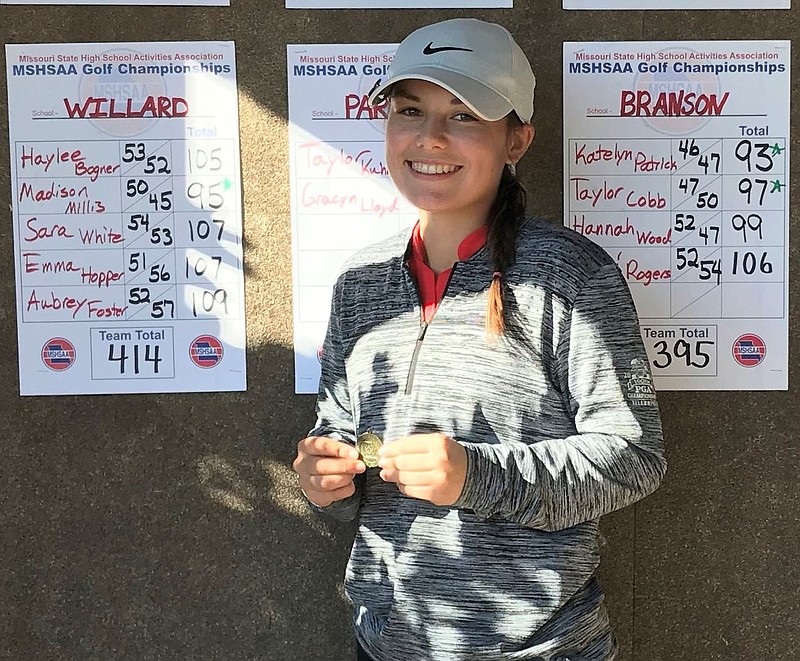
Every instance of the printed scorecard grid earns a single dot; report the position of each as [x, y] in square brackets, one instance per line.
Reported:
[160, 251]
[676, 161]
[676, 4]
[714, 210]
[127, 217]
[715, 218]
[341, 193]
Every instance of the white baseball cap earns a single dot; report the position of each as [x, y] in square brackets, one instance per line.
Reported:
[478, 62]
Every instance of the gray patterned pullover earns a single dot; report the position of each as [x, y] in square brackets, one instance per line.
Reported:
[560, 423]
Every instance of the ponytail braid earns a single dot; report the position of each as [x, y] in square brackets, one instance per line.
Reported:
[505, 218]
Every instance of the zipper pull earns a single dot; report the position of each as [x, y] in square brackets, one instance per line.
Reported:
[417, 346]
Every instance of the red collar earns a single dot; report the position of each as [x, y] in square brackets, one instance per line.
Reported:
[471, 244]
[431, 285]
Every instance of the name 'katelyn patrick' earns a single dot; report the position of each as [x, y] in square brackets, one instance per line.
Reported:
[97, 107]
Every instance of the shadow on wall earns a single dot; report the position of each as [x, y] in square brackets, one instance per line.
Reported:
[166, 527]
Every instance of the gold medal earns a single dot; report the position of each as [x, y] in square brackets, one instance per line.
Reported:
[368, 445]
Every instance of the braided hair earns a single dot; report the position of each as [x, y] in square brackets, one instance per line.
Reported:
[505, 217]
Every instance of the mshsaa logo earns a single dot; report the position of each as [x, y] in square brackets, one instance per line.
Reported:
[206, 351]
[58, 354]
[749, 350]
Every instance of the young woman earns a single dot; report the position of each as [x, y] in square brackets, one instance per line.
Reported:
[497, 360]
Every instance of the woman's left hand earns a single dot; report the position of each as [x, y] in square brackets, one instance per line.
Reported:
[430, 467]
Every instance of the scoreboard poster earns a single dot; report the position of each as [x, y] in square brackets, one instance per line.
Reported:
[127, 217]
[677, 4]
[396, 4]
[342, 198]
[174, 3]
[676, 161]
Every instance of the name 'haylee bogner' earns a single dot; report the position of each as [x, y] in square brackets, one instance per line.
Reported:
[497, 359]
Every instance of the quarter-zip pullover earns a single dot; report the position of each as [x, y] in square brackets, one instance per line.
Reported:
[560, 424]
[431, 285]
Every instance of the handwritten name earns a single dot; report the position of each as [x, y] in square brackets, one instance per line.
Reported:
[96, 107]
[317, 157]
[632, 199]
[103, 278]
[649, 237]
[54, 191]
[74, 157]
[640, 103]
[642, 161]
[645, 276]
[94, 308]
[350, 201]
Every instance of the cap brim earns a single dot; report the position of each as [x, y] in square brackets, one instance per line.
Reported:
[482, 100]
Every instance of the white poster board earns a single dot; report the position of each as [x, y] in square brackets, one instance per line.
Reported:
[396, 4]
[677, 4]
[174, 3]
[342, 197]
[127, 217]
[676, 160]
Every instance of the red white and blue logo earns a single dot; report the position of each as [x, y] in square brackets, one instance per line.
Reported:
[749, 350]
[205, 351]
[58, 354]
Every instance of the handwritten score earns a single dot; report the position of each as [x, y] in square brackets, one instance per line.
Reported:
[342, 197]
[677, 162]
[127, 217]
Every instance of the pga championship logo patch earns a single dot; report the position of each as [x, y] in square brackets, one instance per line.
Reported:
[639, 388]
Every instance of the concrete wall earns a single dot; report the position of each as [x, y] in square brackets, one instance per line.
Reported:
[170, 527]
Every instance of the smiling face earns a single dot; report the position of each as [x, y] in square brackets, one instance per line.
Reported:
[442, 157]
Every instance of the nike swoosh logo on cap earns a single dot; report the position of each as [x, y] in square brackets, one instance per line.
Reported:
[430, 50]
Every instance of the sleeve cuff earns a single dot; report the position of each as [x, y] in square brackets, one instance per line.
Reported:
[473, 493]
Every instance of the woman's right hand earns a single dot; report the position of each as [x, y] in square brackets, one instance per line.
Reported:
[327, 467]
